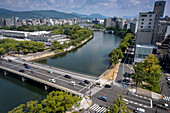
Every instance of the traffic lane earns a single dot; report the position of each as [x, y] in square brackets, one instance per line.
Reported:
[111, 94]
[45, 71]
[132, 107]
[164, 86]
[120, 73]
[47, 77]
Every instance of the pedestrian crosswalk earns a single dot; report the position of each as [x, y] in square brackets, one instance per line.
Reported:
[166, 98]
[97, 108]
[121, 85]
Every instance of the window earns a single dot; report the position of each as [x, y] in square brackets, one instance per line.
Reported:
[142, 23]
[150, 15]
[143, 15]
[149, 23]
[142, 19]
[149, 26]
[141, 26]
[150, 19]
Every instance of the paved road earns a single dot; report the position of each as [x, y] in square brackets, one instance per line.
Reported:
[44, 75]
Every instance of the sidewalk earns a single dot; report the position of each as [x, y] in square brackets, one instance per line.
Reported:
[109, 75]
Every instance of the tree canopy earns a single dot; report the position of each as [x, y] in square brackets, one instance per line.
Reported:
[117, 53]
[8, 45]
[148, 71]
[55, 102]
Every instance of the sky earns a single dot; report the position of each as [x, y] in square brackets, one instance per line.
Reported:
[110, 8]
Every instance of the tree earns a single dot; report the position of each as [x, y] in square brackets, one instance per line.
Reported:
[18, 109]
[119, 106]
[140, 75]
[55, 102]
[153, 69]
[148, 71]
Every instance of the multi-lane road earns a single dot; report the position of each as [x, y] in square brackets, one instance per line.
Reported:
[44, 75]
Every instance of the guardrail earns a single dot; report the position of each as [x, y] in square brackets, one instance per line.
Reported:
[42, 81]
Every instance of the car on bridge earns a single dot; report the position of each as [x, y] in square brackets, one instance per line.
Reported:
[67, 76]
[103, 98]
[86, 81]
[26, 66]
[50, 71]
[72, 83]
[21, 70]
[52, 80]
[82, 83]
[9, 60]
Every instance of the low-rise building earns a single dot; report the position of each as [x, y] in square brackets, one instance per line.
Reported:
[141, 51]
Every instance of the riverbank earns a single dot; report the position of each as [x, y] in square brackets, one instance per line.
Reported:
[45, 54]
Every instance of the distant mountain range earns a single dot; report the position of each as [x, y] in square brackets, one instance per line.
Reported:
[92, 16]
[5, 13]
[127, 17]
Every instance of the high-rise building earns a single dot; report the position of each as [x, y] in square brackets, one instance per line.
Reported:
[7, 22]
[133, 27]
[159, 7]
[107, 22]
[146, 26]
[1, 22]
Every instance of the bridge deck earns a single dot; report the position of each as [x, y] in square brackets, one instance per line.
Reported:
[41, 75]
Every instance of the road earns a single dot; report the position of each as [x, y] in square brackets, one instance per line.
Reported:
[133, 100]
[44, 75]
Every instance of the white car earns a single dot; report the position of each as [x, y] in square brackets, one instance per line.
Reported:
[72, 83]
[141, 110]
[168, 78]
[52, 80]
[50, 71]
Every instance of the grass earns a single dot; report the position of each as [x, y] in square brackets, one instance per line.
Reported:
[155, 89]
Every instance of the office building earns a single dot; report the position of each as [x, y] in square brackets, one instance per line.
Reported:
[159, 8]
[1, 22]
[132, 27]
[107, 22]
[7, 22]
[146, 27]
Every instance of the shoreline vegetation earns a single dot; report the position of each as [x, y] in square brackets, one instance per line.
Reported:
[116, 54]
[77, 35]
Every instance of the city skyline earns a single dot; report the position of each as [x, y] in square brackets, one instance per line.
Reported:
[118, 8]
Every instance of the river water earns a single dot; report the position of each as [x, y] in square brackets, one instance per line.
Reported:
[89, 59]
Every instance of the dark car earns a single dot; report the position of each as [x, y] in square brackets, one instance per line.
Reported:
[168, 83]
[82, 83]
[86, 81]
[162, 106]
[126, 74]
[67, 76]
[25, 64]
[21, 70]
[9, 60]
[107, 86]
[103, 98]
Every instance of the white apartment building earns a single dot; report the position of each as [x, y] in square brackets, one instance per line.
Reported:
[146, 26]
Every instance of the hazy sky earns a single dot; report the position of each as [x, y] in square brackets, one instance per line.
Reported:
[105, 7]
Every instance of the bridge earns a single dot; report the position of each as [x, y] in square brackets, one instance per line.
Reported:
[40, 74]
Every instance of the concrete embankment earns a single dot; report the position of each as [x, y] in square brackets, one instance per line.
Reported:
[42, 55]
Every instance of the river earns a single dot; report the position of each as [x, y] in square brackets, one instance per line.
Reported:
[90, 59]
